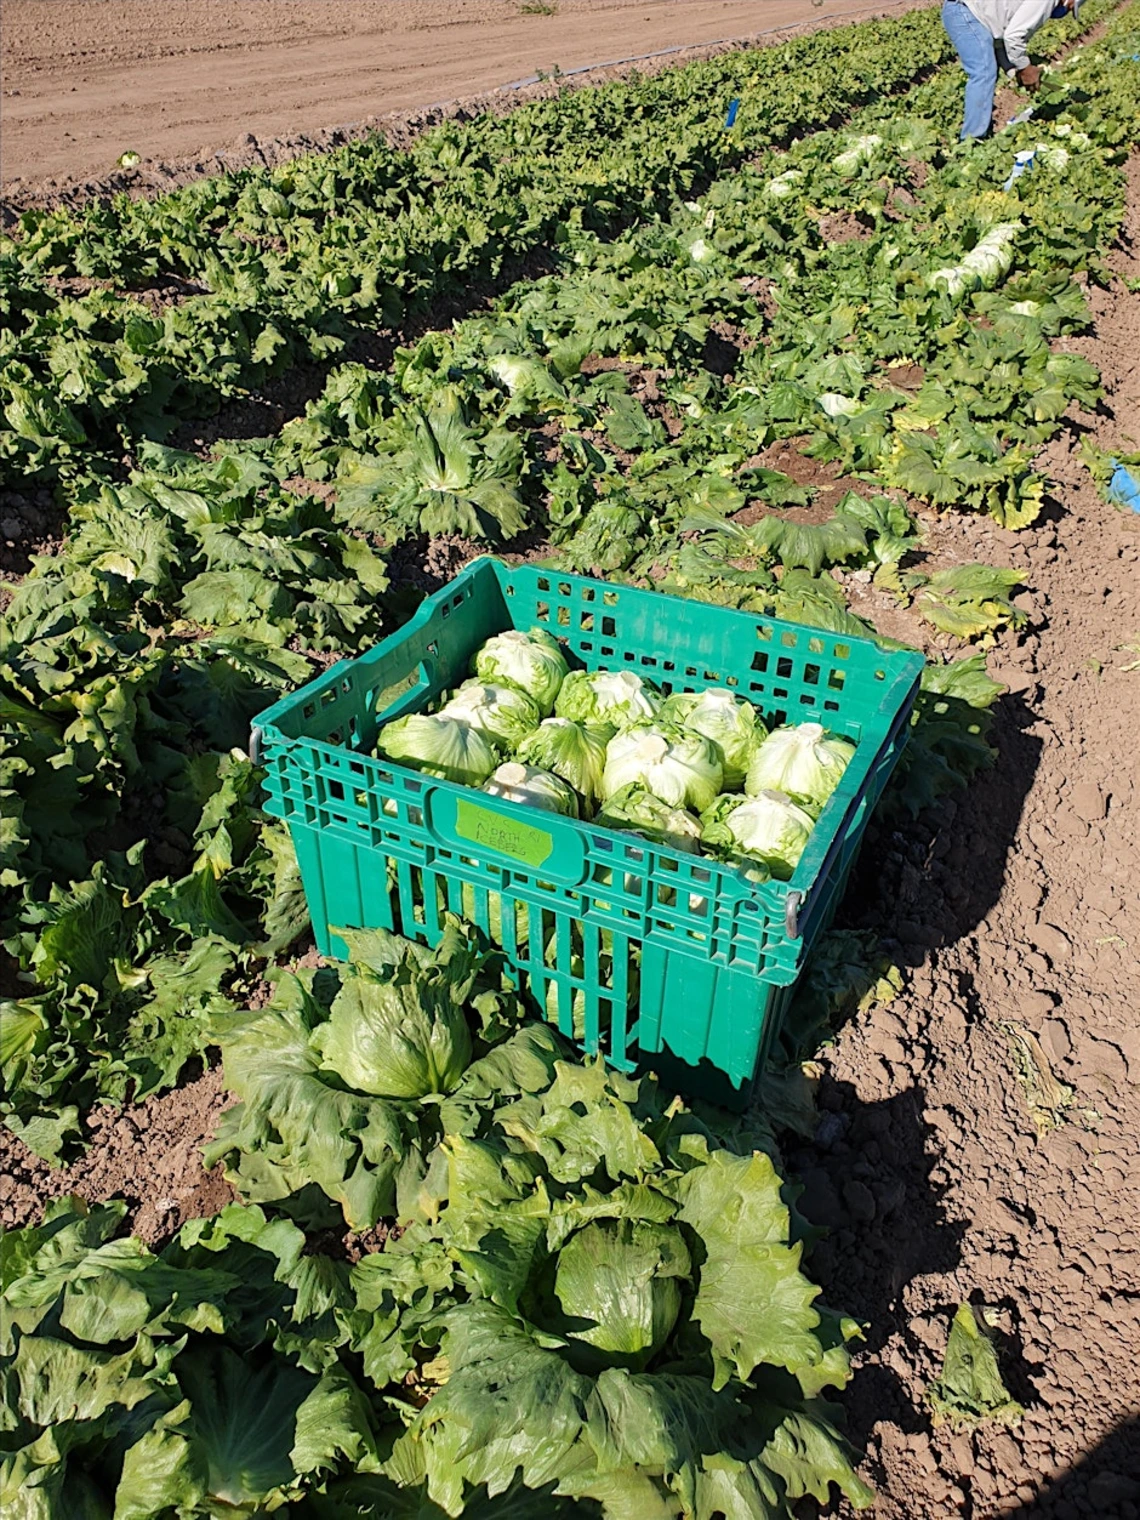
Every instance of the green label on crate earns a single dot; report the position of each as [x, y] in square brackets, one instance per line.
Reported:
[510, 836]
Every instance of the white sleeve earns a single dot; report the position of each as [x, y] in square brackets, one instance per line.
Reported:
[1025, 20]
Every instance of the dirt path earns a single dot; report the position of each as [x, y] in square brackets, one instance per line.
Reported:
[1019, 913]
[85, 80]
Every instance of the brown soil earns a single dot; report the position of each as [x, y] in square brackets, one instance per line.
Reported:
[31, 522]
[841, 227]
[1016, 909]
[824, 478]
[86, 80]
[149, 1154]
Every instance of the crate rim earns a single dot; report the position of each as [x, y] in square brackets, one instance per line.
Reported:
[783, 898]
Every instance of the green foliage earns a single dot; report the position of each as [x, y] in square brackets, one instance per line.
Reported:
[342, 1095]
[847, 972]
[558, 1247]
[949, 734]
[594, 1294]
[443, 474]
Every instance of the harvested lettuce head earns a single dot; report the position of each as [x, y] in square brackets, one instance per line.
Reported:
[616, 697]
[679, 766]
[804, 761]
[768, 828]
[533, 788]
[733, 725]
[640, 812]
[401, 1037]
[440, 747]
[574, 751]
[532, 662]
[502, 714]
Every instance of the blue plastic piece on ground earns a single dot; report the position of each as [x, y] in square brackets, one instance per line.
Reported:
[1124, 488]
[1021, 162]
[730, 119]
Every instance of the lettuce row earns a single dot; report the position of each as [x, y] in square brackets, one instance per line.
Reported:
[596, 1298]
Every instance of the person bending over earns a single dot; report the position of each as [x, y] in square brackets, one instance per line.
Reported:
[978, 29]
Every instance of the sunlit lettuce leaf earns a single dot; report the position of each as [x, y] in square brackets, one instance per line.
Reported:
[754, 1305]
[403, 1037]
[531, 786]
[293, 1127]
[439, 746]
[677, 765]
[504, 715]
[731, 722]
[574, 751]
[803, 761]
[618, 1285]
[532, 663]
[618, 698]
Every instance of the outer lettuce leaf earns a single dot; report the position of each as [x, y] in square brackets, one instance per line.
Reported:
[971, 1387]
[574, 751]
[753, 1303]
[244, 1438]
[642, 1444]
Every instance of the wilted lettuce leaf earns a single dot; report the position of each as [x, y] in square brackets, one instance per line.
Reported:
[968, 600]
[949, 733]
[971, 1387]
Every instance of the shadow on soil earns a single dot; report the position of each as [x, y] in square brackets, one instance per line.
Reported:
[920, 886]
[924, 884]
[866, 1180]
[1105, 1483]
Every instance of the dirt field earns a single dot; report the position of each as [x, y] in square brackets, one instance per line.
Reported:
[85, 80]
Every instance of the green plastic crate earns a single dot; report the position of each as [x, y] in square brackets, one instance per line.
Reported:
[654, 957]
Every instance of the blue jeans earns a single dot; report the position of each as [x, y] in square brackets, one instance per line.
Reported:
[975, 48]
